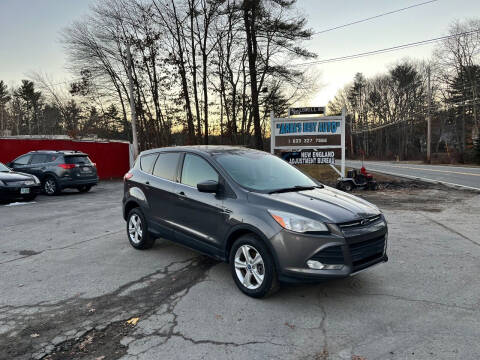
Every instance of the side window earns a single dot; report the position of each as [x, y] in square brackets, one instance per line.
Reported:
[39, 158]
[196, 170]
[147, 162]
[23, 160]
[53, 158]
[166, 166]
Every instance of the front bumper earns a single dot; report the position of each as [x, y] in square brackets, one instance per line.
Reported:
[354, 249]
[14, 192]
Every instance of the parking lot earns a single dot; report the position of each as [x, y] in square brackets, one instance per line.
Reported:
[71, 282]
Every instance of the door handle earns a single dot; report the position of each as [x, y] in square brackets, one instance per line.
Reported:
[181, 195]
[147, 182]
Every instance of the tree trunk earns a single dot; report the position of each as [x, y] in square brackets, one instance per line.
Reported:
[249, 16]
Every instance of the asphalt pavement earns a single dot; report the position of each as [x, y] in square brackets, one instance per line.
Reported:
[467, 177]
[73, 288]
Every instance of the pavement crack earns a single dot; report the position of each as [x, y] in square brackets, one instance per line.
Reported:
[452, 230]
[398, 297]
[33, 253]
[125, 302]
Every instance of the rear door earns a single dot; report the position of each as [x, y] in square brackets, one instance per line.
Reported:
[84, 168]
[38, 165]
[163, 191]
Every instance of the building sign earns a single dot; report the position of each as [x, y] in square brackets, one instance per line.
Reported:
[309, 157]
[309, 140]
[308, 133]
[318, 110]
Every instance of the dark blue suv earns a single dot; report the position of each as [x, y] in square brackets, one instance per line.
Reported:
[58, 170]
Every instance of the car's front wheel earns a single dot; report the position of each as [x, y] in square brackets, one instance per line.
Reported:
[253, 267]
[137, 230]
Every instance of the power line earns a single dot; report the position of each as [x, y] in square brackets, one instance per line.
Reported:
[385, 50]
[373, 17]
[456, 104]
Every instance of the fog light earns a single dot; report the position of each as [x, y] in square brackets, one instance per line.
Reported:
[313, 264]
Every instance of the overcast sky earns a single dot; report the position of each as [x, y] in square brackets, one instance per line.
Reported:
[29, 35]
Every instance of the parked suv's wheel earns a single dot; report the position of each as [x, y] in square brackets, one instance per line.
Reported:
[252, 267]
[137, 230]
[50, 186]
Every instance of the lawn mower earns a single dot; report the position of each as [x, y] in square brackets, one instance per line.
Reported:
[357, 180]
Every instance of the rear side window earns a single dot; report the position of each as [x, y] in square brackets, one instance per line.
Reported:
[166, 166]
[196, 170]
[39, 159]
[78, 159]
[23, 160]
[147, 162]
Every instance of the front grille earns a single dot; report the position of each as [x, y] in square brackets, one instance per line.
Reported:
[20, 183]
[332, 255]
[365, 252]
[360, 223]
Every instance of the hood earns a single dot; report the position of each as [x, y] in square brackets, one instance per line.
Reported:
[14, 176]
[333, 206]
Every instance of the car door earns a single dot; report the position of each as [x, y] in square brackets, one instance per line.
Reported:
[199, 217]
[38, 165]
[22, 163]
[162, 193]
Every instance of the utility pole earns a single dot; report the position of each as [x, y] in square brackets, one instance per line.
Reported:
[132, 102]
[429, 120]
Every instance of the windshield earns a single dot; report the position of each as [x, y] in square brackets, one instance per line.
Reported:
[260, 171]
[3, 168]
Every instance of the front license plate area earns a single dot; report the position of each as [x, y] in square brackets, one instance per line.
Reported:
[25, 191]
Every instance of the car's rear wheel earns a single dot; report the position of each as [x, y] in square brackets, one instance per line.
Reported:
[252, 267]
[137, 230]
[50, 186]
[84, 188]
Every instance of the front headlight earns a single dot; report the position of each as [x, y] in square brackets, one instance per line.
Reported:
[37, 181]
[2, 183]
[297, 223]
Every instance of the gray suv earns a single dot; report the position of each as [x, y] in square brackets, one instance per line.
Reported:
[58, 170]
[267, 219]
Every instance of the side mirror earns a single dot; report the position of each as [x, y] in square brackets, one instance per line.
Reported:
[209, 186]
[9, 165]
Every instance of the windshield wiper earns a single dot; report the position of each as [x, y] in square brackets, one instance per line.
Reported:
[293, 188]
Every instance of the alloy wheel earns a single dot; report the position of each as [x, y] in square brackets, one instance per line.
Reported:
[135, 230]
[50, 186]
[249, 267]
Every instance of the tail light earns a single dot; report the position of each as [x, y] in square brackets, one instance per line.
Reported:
[127, 176]
[66, 166]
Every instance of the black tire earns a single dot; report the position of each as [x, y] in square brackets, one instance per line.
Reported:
[139, 241]
[348, 186]
[29, 197]
[50, 186]
[270, 284]
[84, 188]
